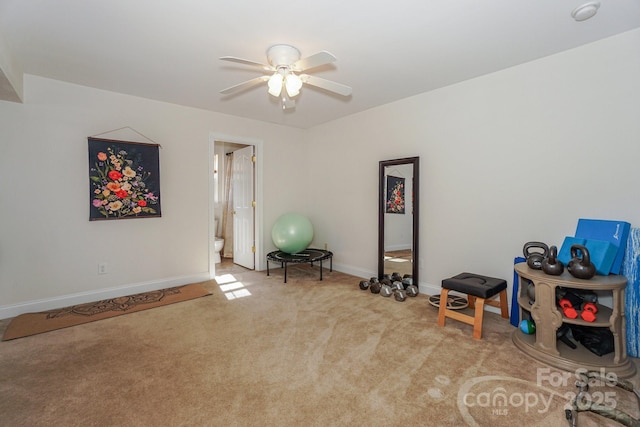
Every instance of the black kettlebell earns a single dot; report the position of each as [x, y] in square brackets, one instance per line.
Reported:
[531, 251]
[551, 265]
[581, 267]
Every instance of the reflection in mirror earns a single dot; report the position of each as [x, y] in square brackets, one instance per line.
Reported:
[398, 217]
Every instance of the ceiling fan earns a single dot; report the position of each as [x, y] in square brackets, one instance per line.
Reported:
[285, 78]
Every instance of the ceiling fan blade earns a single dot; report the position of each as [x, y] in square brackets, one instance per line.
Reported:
[313, 61]
[338, 88]
[244, 85]
[247, 62]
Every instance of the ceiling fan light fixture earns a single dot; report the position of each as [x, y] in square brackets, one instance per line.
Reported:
[286, 74]
[275, 84]
[293, 83]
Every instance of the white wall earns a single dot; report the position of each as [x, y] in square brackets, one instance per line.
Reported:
[48, 247]
[11, 76]
[510, 157]
[507, 158]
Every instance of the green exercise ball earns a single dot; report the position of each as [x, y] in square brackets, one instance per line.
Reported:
[292, 233]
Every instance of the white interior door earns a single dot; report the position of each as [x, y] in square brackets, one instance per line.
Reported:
[243, 207]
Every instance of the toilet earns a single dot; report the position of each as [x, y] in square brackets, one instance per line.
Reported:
[218, 244]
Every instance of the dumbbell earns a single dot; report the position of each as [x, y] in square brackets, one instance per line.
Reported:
[364, 285]
[397, 285]
[400, 295]
[567, 308]
[386, 291]
[412, 290]
[375, 287]
[589, 312]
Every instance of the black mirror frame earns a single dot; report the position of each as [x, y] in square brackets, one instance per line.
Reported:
[415, 161]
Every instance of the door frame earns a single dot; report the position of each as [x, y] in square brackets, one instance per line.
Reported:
[258, 212]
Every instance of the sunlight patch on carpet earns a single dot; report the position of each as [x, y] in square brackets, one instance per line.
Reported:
[231, 287]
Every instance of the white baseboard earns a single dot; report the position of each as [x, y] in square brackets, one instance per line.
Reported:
[424, 288]
[354, 271]
[13, 310]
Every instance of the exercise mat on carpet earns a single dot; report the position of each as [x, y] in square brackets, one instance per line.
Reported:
[45, 321]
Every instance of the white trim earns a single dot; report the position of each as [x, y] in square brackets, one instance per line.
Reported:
[211, 228]
[424, 288]
[8, 311]
[354, 271]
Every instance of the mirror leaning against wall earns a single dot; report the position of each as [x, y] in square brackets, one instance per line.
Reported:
[398, 217]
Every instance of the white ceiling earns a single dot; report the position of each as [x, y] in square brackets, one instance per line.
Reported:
[386, 50]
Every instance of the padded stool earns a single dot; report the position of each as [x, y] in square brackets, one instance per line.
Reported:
[480, 290]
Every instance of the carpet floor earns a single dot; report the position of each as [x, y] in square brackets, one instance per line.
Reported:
[258, 352]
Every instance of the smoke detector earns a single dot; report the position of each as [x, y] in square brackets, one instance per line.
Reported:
[585, 11]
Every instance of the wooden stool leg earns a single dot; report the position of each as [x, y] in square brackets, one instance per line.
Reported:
[444, 294]
[504, 308]
[472, 301]
[477, 321]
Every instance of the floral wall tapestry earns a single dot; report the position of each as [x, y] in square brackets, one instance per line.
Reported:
[124, 179]
[395, 195]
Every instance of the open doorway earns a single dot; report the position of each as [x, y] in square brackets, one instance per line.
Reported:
[234, 207]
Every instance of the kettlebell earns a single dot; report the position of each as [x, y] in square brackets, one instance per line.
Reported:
[375, 287]
[534, 257]
[551, 265]
[581, 267]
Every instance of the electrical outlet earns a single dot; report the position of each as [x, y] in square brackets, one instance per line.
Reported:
[102, 268]
[326, 246]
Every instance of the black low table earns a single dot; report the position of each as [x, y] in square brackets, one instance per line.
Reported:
[308, 255]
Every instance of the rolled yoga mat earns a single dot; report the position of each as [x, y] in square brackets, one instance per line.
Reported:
[514, 319]
[631, 270]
